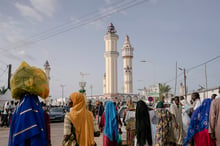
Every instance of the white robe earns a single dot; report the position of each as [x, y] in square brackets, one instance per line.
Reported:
[178, 133]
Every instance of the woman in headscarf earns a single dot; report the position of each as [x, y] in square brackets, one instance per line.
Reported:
[130, 105]
[81, 119]
[143, 125]
[163, 126]
[109, 121]
[130, 123]
[199, 124]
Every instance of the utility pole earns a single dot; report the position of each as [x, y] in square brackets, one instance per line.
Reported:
[175, 80]
[91, 90]
[185, 82]
[9, 75]
[206, 81]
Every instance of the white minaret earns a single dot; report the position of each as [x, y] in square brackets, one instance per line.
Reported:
[111, 64]
[127, 55]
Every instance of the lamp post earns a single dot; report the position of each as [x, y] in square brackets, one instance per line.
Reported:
[184, 72]
[62, 89]
[91, 90]
[82, 86]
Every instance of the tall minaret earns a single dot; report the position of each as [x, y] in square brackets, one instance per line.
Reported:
[111, 64]
[127, 54]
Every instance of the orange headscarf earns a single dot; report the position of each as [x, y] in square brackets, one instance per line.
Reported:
[82, 120]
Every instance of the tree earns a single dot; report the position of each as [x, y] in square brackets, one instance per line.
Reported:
[164, 89]
[3, 90]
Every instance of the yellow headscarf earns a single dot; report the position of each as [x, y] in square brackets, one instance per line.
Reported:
[82, 120]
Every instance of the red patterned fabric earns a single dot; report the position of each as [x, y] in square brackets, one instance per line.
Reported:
[202, 139]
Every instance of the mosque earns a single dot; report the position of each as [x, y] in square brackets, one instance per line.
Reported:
[110, 80]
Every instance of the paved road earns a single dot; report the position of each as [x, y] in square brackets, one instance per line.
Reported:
[56, 135]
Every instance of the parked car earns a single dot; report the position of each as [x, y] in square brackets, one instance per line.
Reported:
[56, 114]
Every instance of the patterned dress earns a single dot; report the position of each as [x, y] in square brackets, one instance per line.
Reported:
[130, 127]
[162, 127]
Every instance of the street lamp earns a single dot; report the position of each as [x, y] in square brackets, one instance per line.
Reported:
[82, 84]
[91, 90]
[62, 88]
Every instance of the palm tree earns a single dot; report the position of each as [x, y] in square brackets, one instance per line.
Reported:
[3, 90]
[164, 89]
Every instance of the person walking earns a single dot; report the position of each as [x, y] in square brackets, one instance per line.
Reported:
[199, 125]
[143, 125]
[163, 126]
[11, 111]
[177, 132]
[160, 104]
[214, 123]
[47, 122]
[79, 122]
[28, 123]
[196, 100]
[100, 110]
[5, 115]
[130, 125]
[213, 96]
[109, 122]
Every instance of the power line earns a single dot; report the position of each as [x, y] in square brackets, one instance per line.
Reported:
[89, 21]
[50, 30]
[50, 33]
[192, 68]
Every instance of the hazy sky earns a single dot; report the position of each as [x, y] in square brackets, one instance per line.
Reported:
[161, 31]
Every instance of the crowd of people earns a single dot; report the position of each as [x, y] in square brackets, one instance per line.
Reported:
[182, 123]
[6, 113]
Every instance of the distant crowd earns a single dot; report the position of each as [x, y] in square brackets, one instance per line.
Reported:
[180, 123]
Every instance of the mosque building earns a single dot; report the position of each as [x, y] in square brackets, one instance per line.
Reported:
[110, 80]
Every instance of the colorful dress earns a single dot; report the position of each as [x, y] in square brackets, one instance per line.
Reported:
[199, 124]
[109, 124]
[164, 120]
[130, 127]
